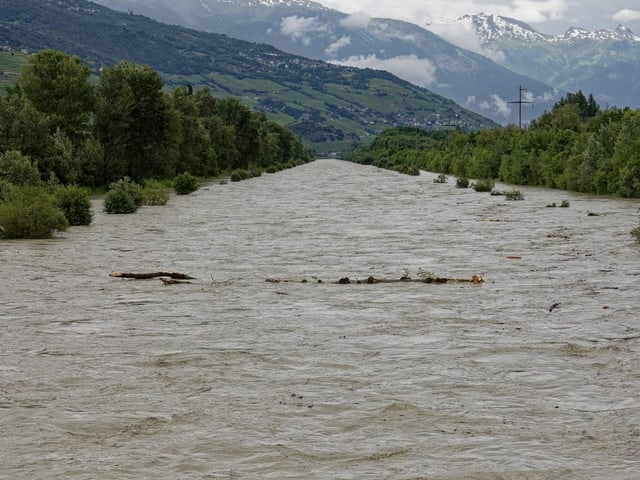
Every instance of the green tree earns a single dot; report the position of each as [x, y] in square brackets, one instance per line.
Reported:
[221, 135]
[58, 86]
[18, 169]
[133, 122]
[195, 151]
[23, 128]
[626, 155]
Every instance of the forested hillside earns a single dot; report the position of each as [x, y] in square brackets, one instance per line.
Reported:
[330, 106]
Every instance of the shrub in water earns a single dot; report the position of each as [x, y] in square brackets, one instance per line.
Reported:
[462, 182]
[442, 178]
[30, 212]
[75, 203]
[407, 169]
[240, 174]
[564, 204]
[124, 196]
[514, 195]
[484, 185]
[635, 233]
[155, 193]
[185, 183]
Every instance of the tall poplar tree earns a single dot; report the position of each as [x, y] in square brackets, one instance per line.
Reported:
[133, 122]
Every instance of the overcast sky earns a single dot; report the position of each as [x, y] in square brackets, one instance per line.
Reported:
[546, 16]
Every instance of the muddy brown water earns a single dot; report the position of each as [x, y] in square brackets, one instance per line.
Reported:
[235, 377]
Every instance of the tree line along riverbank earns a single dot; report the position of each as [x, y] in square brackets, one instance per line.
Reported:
[63, 131]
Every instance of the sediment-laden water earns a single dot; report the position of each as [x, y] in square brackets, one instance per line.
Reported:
[534, 374]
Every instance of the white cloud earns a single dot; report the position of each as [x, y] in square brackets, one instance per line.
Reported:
[461, 34]
[548, 96]
[535, 11]
[356, 20]
[496, 105]
[419, 71]
[298, 28]
[383, 31]
[337, 45]
[464, 36]
[546, 16]
[626, 15]
[425, 13]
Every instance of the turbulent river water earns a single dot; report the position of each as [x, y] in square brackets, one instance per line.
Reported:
[534, 374]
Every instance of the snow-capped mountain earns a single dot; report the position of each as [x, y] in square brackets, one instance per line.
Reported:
[575, 34]
[493, 29]
[311, 30]
[603, 62]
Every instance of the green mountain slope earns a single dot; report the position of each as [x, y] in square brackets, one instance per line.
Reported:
[329, 105]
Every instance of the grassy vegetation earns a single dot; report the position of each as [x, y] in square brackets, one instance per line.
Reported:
[155, 192]
[514, 195]
[484, 185]
[10, 64]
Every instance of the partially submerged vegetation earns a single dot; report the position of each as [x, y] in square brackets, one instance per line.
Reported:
[576, 146]
[61, 134]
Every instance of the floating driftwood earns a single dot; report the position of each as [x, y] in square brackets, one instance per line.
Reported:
[145, 276]
[475, 279]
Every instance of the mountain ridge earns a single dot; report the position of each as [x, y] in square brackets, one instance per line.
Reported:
[402, 48]
[493, 28]
[605, 63]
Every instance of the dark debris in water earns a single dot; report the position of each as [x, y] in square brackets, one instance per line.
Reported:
[475, 279]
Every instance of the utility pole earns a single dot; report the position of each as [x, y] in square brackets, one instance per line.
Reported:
[520, 102]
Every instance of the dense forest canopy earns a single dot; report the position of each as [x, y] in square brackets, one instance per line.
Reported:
[576, 146]
[81, 133]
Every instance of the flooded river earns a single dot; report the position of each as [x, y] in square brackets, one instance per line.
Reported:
[534, 374]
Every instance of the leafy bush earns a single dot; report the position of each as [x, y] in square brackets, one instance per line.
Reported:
[240, 174]
[30, 212]
[155, 193]
[635, 233]
[484, 185]
[4, 189]
[75, 203]
[18, 169]
[462, 182]
[185, 183]
[124, 196]
[564, 204]
[514, 195]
